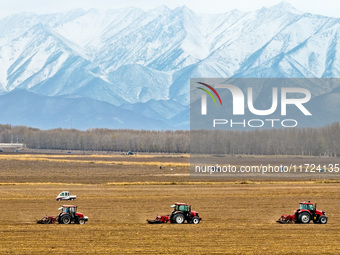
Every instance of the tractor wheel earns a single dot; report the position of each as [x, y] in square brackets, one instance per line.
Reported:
[179, 218]
[304, 218]
[323, 219]
[195, 220]
[66, 219]
[81, 221]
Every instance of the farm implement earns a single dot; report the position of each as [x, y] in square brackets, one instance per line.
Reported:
[67, 215]
[182, 212]
[306, 212]
[47, 220]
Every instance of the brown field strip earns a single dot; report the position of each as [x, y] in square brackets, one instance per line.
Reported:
[176, 183]
[237, 219]
[238, 215]
[70, 159]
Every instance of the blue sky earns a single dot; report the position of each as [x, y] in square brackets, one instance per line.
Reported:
[324, 7]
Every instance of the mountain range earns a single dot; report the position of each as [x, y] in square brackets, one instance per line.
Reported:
[130, 68]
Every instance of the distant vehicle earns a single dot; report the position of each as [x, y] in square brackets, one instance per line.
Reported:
[1, 150]
[65, 195]
[129, 153]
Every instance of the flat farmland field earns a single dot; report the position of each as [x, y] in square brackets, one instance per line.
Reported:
[119, 193]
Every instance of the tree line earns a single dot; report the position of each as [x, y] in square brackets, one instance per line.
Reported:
[318, 141]
[97, 139]
[288, 141]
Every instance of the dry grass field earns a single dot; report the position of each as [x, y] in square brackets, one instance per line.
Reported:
[119, 193]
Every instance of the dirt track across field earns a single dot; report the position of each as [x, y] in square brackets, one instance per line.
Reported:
[118, 198]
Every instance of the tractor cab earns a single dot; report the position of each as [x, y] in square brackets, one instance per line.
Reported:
[182, 207]
[68, 209]
[306, 206]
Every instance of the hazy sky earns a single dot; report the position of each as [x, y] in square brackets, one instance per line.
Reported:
[8, 7]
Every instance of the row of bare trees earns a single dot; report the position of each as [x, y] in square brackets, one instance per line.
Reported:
[98, 139]
[323, 141]
[288, 141]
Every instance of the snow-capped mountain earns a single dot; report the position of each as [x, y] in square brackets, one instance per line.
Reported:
[140, 62]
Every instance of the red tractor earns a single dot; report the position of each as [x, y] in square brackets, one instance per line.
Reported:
[182, 212]
[306, 212]
[67, 215]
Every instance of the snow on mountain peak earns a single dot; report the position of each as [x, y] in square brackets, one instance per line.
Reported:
[129, 56]
[284, 6]
[161, 9]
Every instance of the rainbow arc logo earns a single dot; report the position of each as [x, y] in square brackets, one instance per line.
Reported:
[209, 93]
